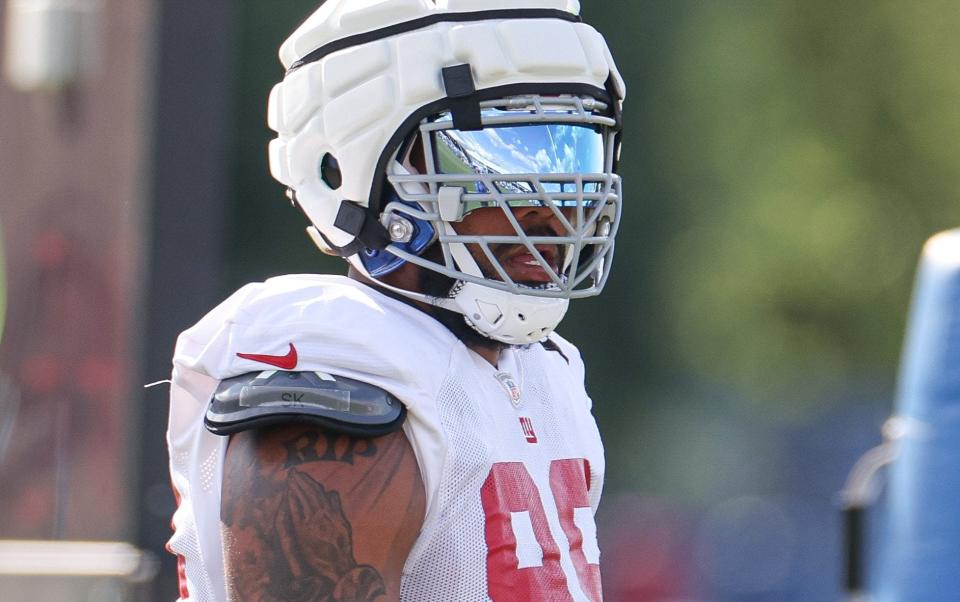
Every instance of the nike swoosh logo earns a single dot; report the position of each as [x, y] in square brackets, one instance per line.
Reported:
[284, 362]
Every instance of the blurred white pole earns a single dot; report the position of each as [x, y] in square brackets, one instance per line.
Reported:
[76, 559]
[50, 44]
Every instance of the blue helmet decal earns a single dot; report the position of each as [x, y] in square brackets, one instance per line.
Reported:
[380, 263]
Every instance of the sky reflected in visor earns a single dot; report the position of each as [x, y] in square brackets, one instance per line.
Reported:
[524, 149]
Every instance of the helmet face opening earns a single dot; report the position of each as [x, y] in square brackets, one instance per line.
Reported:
[553, 156]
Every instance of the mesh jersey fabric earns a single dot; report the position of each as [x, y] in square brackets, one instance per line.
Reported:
[482, 428]
[474, 428]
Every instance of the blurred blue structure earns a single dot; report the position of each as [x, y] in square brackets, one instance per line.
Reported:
[916, 553]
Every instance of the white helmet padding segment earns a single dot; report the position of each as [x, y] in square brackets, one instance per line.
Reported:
[421, 23]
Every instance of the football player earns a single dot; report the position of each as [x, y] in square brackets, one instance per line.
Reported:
[416, 430]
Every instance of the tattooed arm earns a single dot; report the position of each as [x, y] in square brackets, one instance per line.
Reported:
[313, 516]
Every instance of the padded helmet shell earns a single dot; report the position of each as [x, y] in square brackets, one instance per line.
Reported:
[351, 102]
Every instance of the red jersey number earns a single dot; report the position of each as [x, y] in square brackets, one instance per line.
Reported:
[510, 489]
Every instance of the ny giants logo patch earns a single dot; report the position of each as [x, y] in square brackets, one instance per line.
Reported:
[528, 431]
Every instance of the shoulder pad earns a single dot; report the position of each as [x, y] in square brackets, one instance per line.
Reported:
[260, 399]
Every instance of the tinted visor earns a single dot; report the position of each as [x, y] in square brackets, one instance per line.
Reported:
[537, 149]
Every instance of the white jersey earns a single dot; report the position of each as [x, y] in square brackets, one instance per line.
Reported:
[510, 456]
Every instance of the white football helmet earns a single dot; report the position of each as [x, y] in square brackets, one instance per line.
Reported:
[508, 103]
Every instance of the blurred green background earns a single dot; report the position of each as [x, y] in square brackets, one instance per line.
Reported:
[783, 161]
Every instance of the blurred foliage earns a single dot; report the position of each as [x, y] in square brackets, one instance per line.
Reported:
[810, 147]
[3, 286]
[268, 235]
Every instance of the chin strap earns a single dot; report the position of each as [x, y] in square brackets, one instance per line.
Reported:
[442, 302]
[510, 318]
[503, 316]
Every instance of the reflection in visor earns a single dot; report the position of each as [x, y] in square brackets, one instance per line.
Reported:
[524, 149]
[534, 151]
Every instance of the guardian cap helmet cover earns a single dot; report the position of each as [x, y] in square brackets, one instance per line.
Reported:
[506, 103]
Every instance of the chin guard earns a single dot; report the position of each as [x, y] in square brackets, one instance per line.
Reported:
[261, 399]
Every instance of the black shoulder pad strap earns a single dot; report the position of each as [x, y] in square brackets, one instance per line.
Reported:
[551, 345]
[260, 399]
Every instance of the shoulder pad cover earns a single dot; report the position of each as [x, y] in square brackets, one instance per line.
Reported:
[259, 399]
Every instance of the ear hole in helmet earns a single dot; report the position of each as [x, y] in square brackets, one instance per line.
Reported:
[330, 171]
